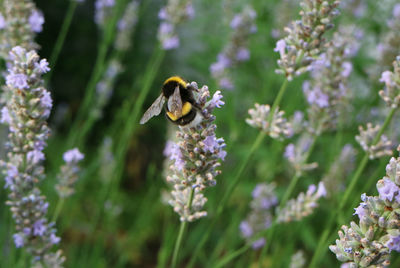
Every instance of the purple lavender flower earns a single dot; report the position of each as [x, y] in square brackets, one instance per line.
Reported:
[42, 66]
[5, 116]
[73, 155]
[243, 54]
[386, 78]
[387, 189]
[216, 100]
[2, 22]
[35, 156]
[280, 47]
[394, 242]
[36, 21]
[396, 11]
[259, 243]
[246, 229]
[171, 42]
[360, 211]
[39, 228]
[17, 80]
[290, 151]
[19, 240]
[236, 21]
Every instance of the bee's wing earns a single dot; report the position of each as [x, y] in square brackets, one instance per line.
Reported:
[154, 109]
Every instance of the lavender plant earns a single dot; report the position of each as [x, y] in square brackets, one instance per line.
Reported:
[327, 91]
[260, 216]
[27, 107]
[236, 50]
[366, 140]
[69, 173]
[302, 206]
[103, 11]
[277, 128]
[196, 156]
[20, 21]
[369, 243]
[339, 170]
[174, 13]
[305, 39]
[297, 154]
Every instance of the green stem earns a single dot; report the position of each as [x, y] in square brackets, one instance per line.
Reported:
[59, 206]
[61, 36]
[236, 179]
[233, 255]
[287, 194]
[98, 70]
[181, 232]
[321, 247]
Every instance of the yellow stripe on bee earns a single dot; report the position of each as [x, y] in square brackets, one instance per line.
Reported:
[176, 79]
[172, 116]
[187, 107]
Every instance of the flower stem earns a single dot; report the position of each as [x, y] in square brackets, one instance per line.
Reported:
[236, 179]
[288, 192]
[181, 232]
[321, 247]
[61, 36]
[59, 206]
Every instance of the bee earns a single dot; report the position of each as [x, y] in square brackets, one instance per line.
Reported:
[181, 108]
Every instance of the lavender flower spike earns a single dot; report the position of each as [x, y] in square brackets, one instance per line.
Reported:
[174, 13]
[369, 243]
[27, 109]
[260, 216]
[69, 173]
[391, 93]
[305, 40]
[20, 21]
[303, 205]
[279, 127]
[235, 51]
[367, 136]
[195, 158]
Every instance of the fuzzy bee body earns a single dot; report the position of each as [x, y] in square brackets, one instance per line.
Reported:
[181, 107]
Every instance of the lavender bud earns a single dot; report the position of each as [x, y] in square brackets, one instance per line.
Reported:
[382, 148]
[279, 127]
[302, 206]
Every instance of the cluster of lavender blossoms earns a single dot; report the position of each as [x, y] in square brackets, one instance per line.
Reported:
[279, 127]
[303, 205]
[174, 13]
[236, 51]
[305, 40]
[298, 260]
[126, 26]
[195, 158]
[297, 154]
[369, 243]
[260, 216]
[340, 169]
[27, 107]
[389, 48]
[366, 139]
[327, 91]
[391, 92]
[69, 173]
[103, 11]
[20, 20]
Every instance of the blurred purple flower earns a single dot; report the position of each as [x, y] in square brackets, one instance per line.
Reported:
[73, 155]
[387, 189]
[18, 240]
[17, 80]
[36, 21]
[245, 229]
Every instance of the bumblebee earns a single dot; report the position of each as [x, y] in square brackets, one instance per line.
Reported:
[181, 108]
